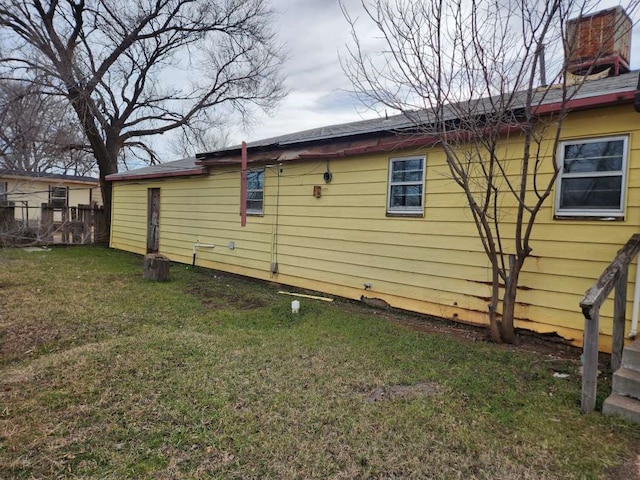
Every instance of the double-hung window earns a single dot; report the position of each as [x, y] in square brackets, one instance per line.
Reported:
[255, 192]
[406, 186]
[592, 177]
[3, 191]
[59, 197]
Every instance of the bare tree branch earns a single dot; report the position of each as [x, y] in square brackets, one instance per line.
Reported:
[131, 69]
[466, 72]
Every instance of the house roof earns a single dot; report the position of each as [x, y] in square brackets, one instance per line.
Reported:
[9, 173]
[177, 168]
[607, 89]
[380, 134]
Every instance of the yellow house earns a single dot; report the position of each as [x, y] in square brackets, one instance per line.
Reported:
[325, 212]
[27, 191]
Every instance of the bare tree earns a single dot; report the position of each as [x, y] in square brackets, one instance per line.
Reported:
[134, 69]
[466, 73]
[199, 138]
[39, 133]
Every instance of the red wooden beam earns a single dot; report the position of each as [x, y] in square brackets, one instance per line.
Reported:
[243, 186]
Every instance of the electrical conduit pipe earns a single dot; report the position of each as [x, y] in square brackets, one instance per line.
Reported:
[200, 245]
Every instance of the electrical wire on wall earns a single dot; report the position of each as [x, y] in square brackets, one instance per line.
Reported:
[274, 229]
[279, 170]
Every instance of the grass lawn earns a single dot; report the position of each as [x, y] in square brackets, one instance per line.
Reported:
[104, 375]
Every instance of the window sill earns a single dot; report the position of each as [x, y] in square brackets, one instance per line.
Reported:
[590, 218]
[406, 215]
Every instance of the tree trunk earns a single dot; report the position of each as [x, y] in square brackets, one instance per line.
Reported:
[104, 150]
[156, 267]
[493, 306]
[508, 332]
[106, 189]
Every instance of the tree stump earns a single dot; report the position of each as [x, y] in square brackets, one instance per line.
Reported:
[155, 267]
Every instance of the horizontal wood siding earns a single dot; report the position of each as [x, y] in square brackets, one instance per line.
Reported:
[338, 242]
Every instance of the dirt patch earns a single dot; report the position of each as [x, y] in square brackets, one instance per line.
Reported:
[393, 392]
[225, 295]
[629, 470]
[17, 340]
[76, 356]
[551, 345]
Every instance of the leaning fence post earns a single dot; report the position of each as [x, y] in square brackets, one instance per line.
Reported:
[590, 360]
[619, 317]
[7, 224]
[64, 225]
[46, 223]
[84, 216]
[100, 225]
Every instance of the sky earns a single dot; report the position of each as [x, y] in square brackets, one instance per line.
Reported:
[315, 34]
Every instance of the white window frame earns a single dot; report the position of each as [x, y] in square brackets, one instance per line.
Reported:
[390, 184]
[255, 211]
[4, 191]
[592, 212]
[54, 200]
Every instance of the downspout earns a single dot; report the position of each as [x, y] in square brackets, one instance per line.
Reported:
[200, 245]
[636, 303]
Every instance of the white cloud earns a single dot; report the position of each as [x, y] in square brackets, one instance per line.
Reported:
[315, 33]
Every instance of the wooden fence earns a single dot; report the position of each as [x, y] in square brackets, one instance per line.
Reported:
[83, 224]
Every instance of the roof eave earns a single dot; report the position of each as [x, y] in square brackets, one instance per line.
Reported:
[596, 101]
[50, 179]
[187, 172]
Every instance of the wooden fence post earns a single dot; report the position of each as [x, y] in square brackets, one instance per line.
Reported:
[46, 222]
[100, 225]
[64, 226]
[619, 317]
[7, 224]
[7, 217]
[85, 218]
[590, 361]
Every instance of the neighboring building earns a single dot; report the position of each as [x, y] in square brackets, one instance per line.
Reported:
[326, 211]
[27, 191]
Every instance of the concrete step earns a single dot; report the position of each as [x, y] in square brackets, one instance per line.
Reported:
[625, 407]
[626, 381]
[631, 356]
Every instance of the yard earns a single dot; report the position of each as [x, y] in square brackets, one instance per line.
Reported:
[104, 375]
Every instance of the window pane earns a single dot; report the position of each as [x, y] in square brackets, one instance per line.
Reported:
[254, 205]
[255, 180]
[58, 197]
[255, 188]
[594, 192]
[406, 196]
[593, 157]
[407, 170]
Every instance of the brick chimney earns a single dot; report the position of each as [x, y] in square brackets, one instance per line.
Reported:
[599, 41]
